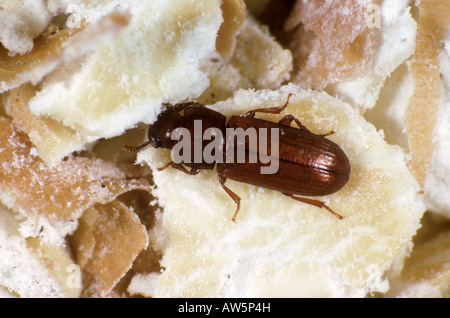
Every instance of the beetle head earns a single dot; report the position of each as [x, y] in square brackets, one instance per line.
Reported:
[160, 132]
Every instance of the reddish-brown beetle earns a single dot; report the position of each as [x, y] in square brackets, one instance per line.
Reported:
[307, 164]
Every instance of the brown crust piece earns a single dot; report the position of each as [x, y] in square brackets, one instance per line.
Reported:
[61, 193]
[330, 41]
[50, 50]
[260, 58]
[108, 239]
[233, 20]
[51, 138]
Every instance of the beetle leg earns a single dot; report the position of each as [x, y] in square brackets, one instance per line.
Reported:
[272, 110]
[316, 203]
[233, 195]
[328, 133]
[288, 119]
[180, 167]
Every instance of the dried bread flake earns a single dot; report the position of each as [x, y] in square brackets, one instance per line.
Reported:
[63, 192]
[426, 272]
[58, 260]
[107, 241]
[233, 20]
[262, 60]
[279, 247]
[53, 140]
[331, 41]
[395, 32]
[124, 81]
[29, 270]
[22, 21]
[421, 115]
[52, 49]
[257, 61]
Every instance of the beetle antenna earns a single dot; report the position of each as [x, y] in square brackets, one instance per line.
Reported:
[135, 148]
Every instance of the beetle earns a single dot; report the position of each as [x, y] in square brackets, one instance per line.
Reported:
[308, 164]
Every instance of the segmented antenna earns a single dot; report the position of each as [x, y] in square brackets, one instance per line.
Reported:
[135, 148]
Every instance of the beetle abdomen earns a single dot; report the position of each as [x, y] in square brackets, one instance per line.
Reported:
[306, 164]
